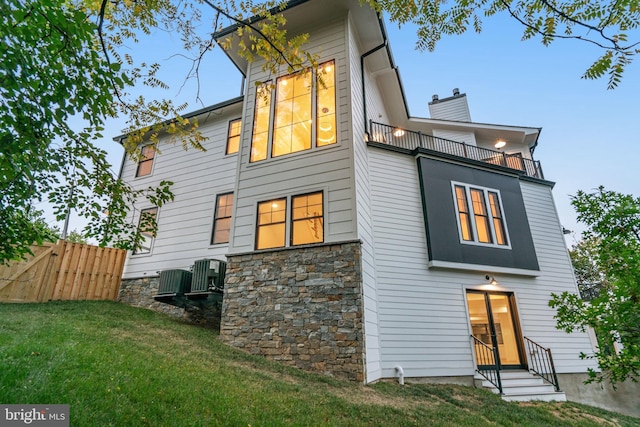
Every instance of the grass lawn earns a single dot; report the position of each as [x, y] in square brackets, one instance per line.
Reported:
[120, 366]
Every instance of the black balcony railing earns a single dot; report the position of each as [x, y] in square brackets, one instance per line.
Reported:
[487, 363]
[541, 362]
[589, 291]
[411, 140]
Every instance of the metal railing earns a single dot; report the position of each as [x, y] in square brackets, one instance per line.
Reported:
[541, 362]
[487, 363]
[411, 140]
[589, 291]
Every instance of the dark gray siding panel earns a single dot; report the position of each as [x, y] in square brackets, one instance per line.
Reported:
[440, 216]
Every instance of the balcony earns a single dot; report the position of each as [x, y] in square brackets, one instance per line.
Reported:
[410, 140]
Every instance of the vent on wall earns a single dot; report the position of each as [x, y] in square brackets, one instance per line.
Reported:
[208, 276]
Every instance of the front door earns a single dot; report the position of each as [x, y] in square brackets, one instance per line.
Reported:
[494, 322]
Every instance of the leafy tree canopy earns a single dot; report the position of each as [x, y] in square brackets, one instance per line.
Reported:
[63, 59]
[610, 254]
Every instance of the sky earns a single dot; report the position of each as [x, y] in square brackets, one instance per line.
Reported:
[590, 135]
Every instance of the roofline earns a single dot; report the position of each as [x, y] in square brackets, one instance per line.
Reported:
[195, 113]
[459, 122]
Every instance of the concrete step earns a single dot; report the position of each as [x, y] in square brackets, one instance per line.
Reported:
[523, 386]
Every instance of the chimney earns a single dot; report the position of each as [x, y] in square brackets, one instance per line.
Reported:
[452, 108]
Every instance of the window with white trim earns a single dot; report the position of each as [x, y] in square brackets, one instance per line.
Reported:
[145, 164]
[480, 215]
[303, 116]
[303, 225]
[148, 228]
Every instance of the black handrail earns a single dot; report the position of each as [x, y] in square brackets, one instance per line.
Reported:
[410, 140]
[487, 363]
[541, 362]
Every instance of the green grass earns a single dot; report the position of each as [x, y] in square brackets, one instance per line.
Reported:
[120, 366]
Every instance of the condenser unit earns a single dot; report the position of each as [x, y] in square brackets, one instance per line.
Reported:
[174, 283]
[208, 276]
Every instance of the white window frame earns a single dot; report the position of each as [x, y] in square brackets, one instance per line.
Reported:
[474, 231]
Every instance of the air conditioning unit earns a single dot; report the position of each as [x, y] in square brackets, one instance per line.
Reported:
[208, 275]
[174, 282]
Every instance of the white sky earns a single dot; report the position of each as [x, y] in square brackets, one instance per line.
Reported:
[590, 135]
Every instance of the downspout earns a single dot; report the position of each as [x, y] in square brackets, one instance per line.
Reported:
[364, 92]
[400, 374]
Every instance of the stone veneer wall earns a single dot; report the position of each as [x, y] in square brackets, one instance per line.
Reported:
[301, 306]
[139, 293]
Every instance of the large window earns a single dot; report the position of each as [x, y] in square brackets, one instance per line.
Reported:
[298, 123]
[306, 221]
[145, 164]
[233, 136]
[148, 228]
[480, 215]
[222, 219]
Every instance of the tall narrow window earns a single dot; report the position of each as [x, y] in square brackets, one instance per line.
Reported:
[222, 219]
[148, 228]
[480, 215]
[145, 163]
[496, 213]
[233, 136]
[292, 124]
[307, 222]
[326, 105]
[271, 228]
[260, 139]
[463, 213]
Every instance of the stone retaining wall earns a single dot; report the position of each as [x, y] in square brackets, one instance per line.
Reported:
[139, 293]
[300, 306]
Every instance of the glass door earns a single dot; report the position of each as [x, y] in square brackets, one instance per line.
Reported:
[493, 321]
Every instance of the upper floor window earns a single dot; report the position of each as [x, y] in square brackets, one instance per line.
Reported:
[145, 164]
[233, 136]
[304, 114]
[480, 215]
[222, 219]
[306, 221]
[147, 227]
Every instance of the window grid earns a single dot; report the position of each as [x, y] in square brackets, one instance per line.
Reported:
[222, 219]
[145, 164]
[307, 219]
[233, 136]
[484, 205]
[271, 227]
[148, 228]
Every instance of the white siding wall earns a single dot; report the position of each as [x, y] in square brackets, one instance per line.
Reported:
[424, 326]
[326, 168]
[185, 225]
[466, 137]
[363, 203]
[451, 109]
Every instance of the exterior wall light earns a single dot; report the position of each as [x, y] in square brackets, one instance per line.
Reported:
[500, 144]
[492, 280]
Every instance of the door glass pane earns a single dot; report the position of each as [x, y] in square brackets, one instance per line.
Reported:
[505, 331]
[479, 317]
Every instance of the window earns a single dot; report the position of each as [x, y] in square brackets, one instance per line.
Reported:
[148, 228]
[145, 163]
[222, 219]
[306, 220]
[480, 215]
[233, 136]
[298, 123]
[271, 224]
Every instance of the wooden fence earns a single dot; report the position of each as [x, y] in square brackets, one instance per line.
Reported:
[63, 271]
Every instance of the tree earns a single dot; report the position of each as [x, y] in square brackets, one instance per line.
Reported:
[607, 24]
[612, 255]
[70, 58]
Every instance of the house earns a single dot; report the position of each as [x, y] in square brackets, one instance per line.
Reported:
[362, 242]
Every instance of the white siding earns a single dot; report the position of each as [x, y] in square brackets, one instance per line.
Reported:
[363, 203]
[458, 136]
[455, 108]
[424, 325]
[185, 225]
[326, 168]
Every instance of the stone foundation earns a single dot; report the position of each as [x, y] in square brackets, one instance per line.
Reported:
[140, 292]
[300, 306]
